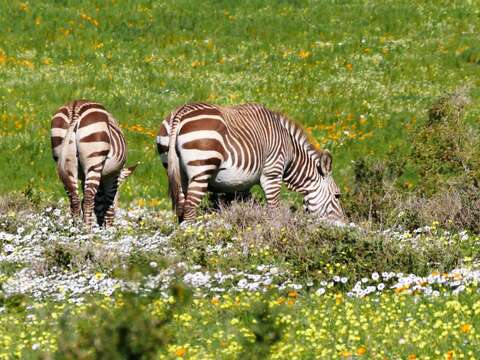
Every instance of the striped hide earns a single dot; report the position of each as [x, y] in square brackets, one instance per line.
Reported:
[88, 145]
[229, 149]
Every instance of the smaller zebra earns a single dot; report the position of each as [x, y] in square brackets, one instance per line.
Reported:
[88, 144]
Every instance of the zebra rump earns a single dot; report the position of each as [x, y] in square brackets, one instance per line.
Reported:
[88, 145]
[206, 147]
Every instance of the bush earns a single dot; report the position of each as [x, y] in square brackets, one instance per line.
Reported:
[266, 328]
[311, 249]
[445, 158]
[128, 331]
[374, 193]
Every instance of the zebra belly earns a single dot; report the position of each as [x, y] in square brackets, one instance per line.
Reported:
[232, 179]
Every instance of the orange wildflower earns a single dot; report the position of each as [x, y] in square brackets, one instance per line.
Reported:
[181, 351]
[465, 328]
[361, 350]
[293, 294]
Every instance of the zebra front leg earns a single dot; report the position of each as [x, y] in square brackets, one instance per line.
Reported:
[92, 182]
[271, 184]
[197, 189]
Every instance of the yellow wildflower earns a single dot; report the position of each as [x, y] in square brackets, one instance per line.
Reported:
[215, 301]
[303, 54]
[196, 63]
[338, 298]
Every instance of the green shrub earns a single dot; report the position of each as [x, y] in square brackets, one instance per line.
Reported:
[125, 331]
[263, 322]
[444, 156]
[313, 250]
[375, 190]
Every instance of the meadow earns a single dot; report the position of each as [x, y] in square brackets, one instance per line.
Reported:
[245, 283]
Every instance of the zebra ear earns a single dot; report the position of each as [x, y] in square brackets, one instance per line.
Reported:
[326, 163]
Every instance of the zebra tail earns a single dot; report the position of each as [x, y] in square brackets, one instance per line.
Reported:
[174, 175]
[68, 155]
[126, 172]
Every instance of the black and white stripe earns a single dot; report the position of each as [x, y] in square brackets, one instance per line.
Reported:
[88, 145]
[228, 149]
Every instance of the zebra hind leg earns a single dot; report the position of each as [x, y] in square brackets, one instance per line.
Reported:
[92, 183]
[70, 183]
[110, 199]
[197, 188]
[75, 208]
[99, 206]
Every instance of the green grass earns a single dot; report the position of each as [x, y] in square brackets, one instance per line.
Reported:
[322, 63]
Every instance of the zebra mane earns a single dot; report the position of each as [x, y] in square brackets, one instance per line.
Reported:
[298, 133]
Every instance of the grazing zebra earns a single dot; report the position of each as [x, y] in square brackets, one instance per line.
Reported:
[227, 149]
[87, 144]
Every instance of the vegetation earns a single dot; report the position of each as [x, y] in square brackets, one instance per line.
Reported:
[358, 76]
[390, 88]
[256, 284]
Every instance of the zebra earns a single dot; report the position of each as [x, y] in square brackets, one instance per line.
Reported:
[88, 144]
[230, 149]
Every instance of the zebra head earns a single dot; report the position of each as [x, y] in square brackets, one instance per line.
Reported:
[324, 199]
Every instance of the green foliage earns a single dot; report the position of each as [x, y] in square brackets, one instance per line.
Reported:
[357, 75]
[137, 266]
[263, 323]
[313, 250]
[126, 331]
[444, 155]
[59, 255]
[375, 189]
[445, 150]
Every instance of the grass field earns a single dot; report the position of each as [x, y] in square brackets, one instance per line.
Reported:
[357, 74]
[360, 77]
